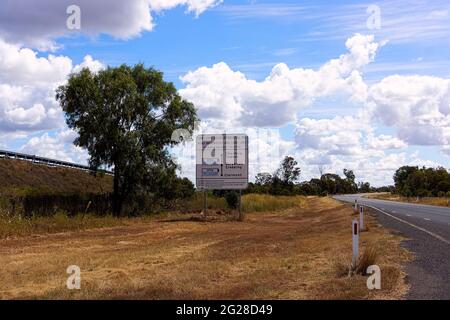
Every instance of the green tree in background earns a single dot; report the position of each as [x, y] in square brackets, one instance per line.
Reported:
[285, 176]
[350, 184]
[125, 118]
[400, 177]
[288, 173]
[422, 182]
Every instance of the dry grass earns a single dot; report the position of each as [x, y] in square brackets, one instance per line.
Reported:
[17, 226]
[250, 202]
[290, 254]
[213, 203]
[368, 258]
[19, 177]
[261, 203]
[435, 201]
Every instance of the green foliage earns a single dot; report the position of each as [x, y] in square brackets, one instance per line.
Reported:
[288, 172]
[422, 182]
[284, 182]
[232, 199]
[364, 187]
[185, 189]
[125, 118]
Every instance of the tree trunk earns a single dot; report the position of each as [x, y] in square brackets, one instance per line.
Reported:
[117, 202]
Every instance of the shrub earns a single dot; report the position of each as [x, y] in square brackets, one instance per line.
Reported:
[423, 193]
[232, 199]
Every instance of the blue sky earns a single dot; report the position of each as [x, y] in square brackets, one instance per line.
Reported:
[252, 37]
[247, 37]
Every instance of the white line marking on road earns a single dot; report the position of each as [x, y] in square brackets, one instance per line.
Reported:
[413, 225]
[427, 219]
[408, 215]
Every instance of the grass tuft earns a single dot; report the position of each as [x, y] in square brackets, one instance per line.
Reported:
[367, 259]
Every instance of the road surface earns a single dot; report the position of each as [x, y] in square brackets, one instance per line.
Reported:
[427, 229]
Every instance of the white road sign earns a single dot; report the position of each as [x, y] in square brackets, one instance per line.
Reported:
[222, 161]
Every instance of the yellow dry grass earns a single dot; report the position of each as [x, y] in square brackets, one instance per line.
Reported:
[22, 177]
[290, 254]
[16, 225]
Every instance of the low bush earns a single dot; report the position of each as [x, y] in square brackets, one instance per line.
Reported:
[232, 199]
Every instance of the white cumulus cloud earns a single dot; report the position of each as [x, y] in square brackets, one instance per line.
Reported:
[222, 93]
[27, 88]
[417, 106]
[59, 146]
[39, 24]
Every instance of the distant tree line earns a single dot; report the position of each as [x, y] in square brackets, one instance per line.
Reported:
[284, 181]
[412, 181]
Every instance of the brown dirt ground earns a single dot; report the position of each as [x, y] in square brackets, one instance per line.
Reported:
[297, 253]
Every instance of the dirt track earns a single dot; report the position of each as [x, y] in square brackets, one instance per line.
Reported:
[291, 254]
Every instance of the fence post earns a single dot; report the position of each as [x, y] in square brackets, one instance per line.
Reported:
[355, 240]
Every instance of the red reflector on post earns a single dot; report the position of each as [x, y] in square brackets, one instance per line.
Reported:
[355, 228]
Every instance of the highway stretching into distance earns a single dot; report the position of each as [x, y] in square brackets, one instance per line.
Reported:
[427, 229]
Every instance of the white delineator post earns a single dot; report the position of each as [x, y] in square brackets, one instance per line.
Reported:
[356, 206]
[355, 238]
[361, 218]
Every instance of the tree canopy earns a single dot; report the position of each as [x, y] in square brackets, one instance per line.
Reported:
[125, 117]
[422, 182]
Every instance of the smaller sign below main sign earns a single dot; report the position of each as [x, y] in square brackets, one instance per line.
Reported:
[222, 161]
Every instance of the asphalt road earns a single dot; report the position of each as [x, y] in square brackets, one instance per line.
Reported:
[427, 229]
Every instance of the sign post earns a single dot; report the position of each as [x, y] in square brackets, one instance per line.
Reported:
[222, 163]
[241, 216]
[205, 203]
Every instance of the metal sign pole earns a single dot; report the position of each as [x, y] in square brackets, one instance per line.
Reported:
[205, 204]
[240, 200]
